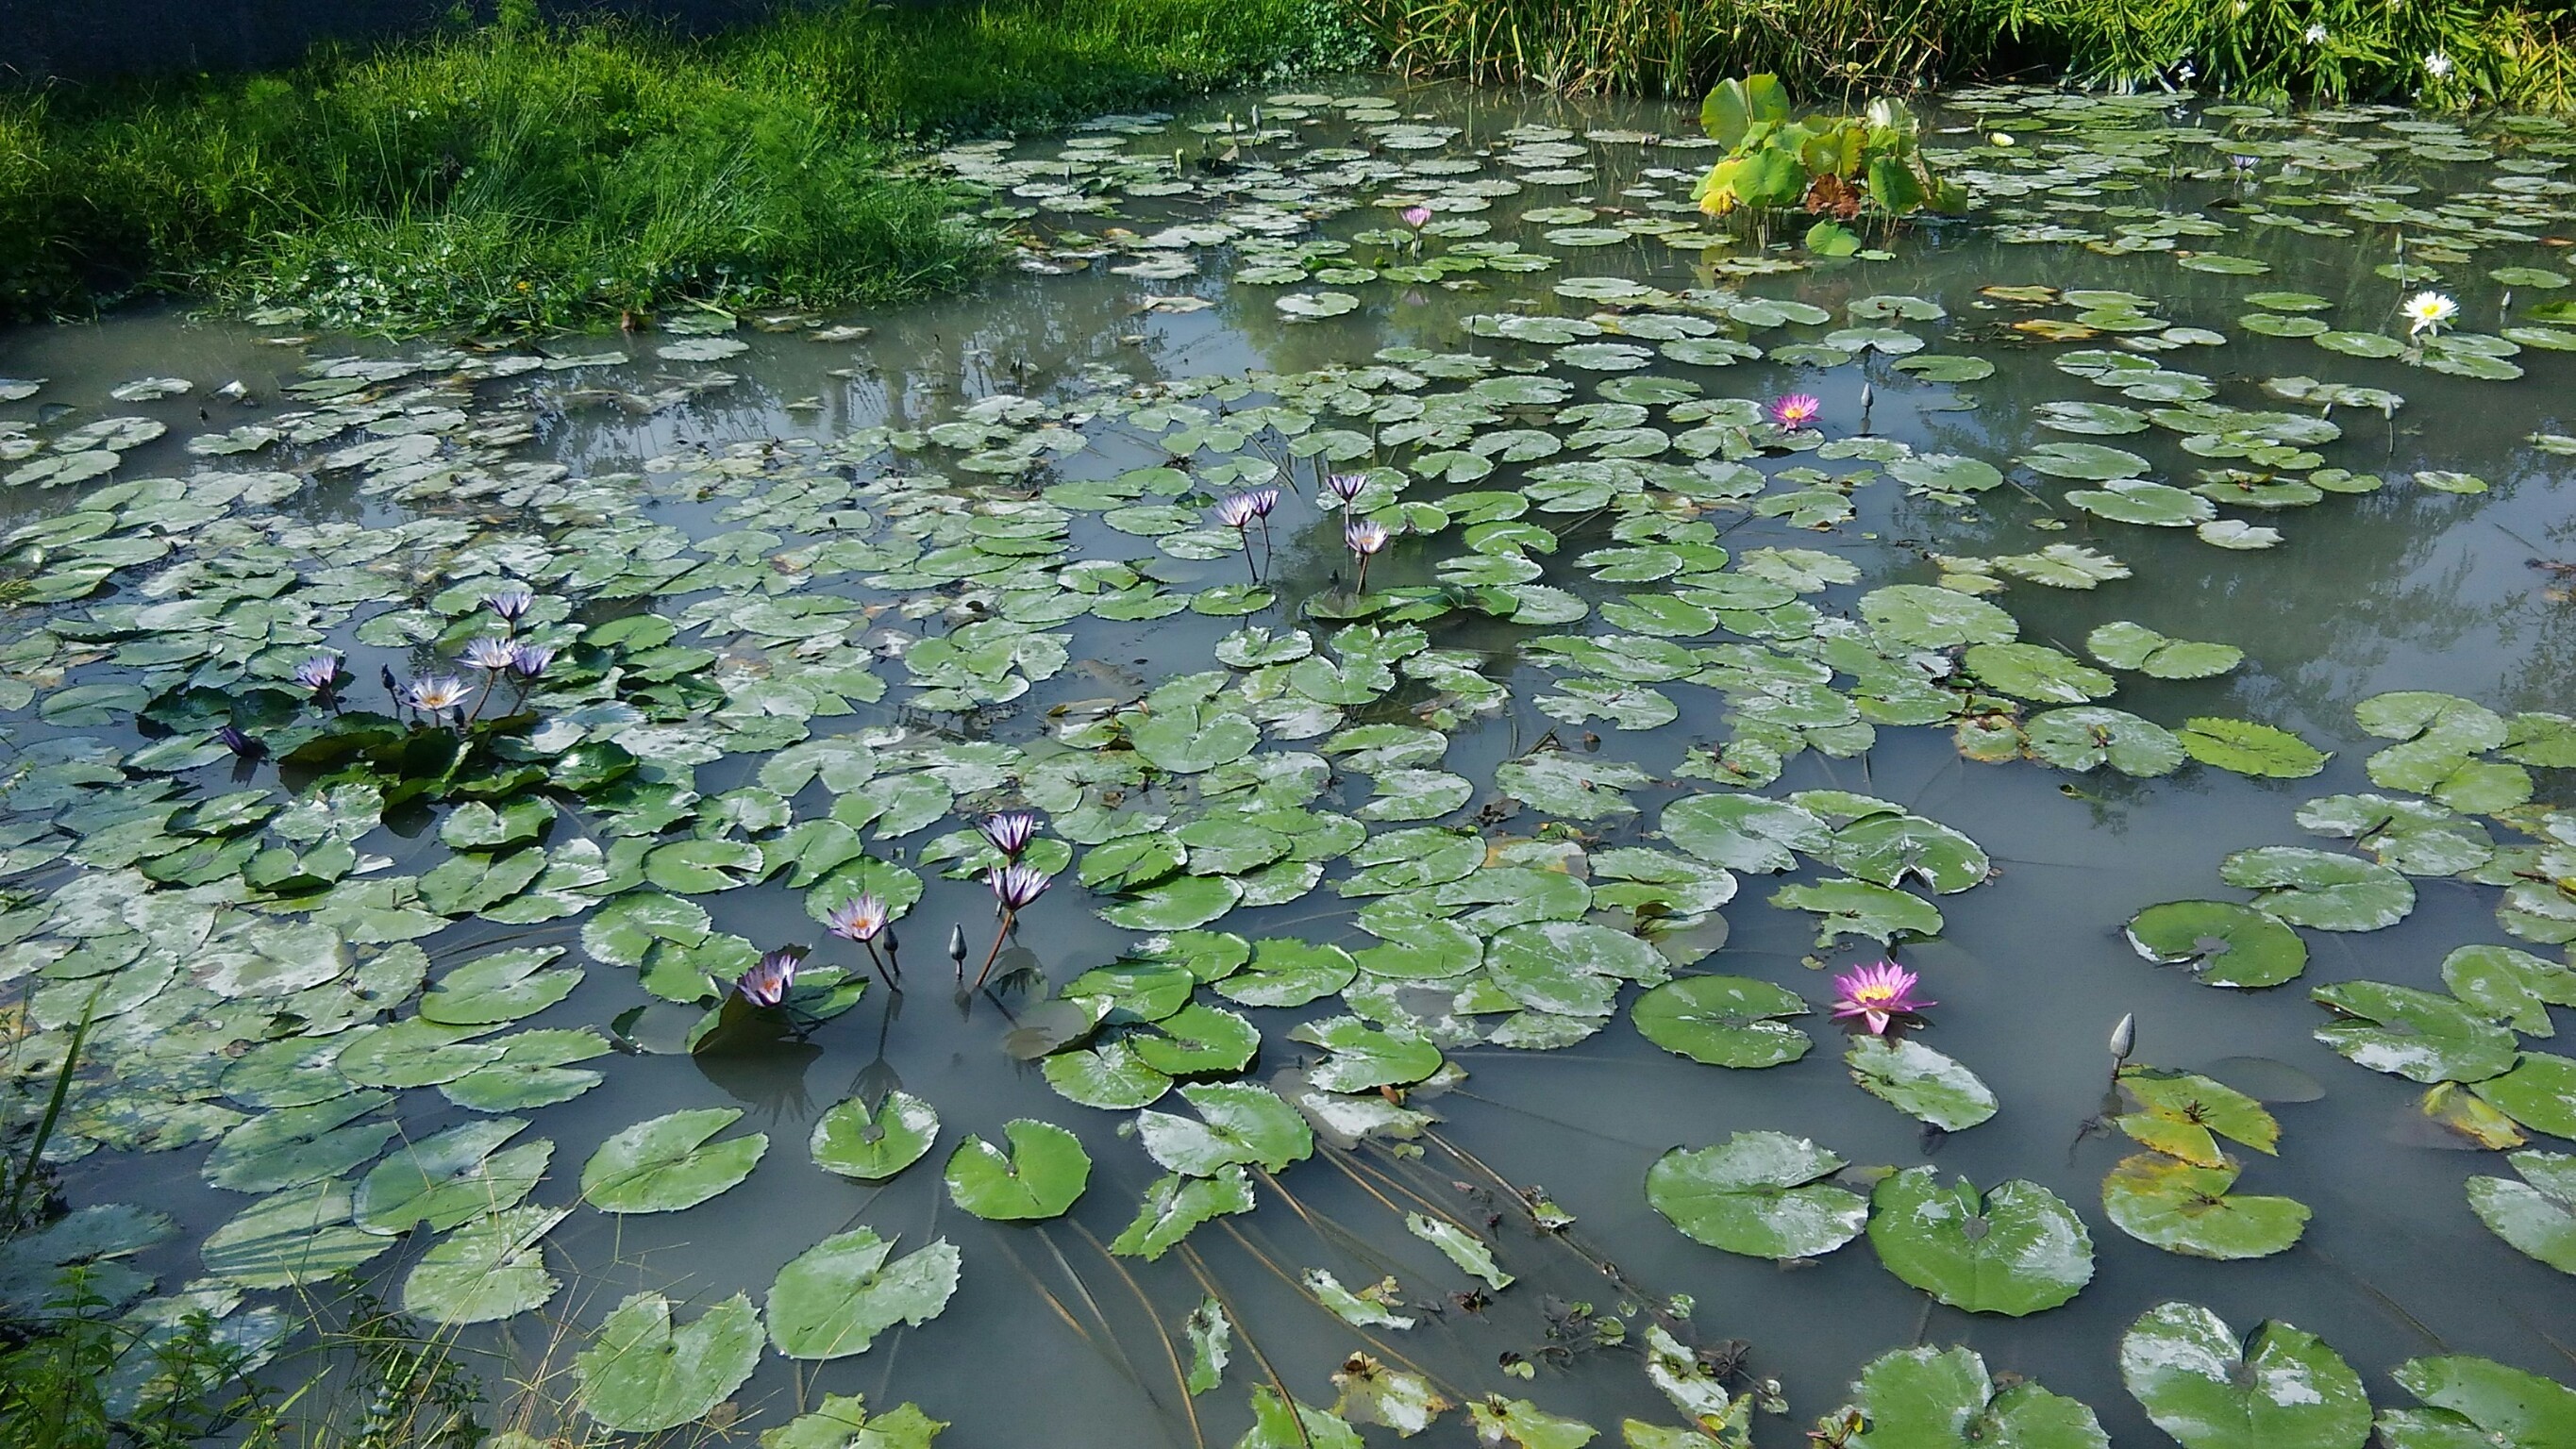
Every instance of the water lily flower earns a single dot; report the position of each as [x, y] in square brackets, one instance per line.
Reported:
[1346, 486]
[436, 693]
[320, 674]
[1262, 500]
[512, 603]
[766, 983]
[527, 661]
[1011, 831]
[2437, 65]
[242, 745]
[856, 920]
[488, 653]
[1796, 410]
[1877, 993]
[1366, 538]
[2426, 312]
[1015, 887]
[1417, 217]
[1235, 511]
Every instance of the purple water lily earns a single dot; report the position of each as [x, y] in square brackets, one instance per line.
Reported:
[1011, 831]
[1015, 887]
[320, 674]
[1877, 993]
[767, 982]
[863, 919]
[511, 603]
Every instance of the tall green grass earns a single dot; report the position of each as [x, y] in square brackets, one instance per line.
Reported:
[2513, 52]
[516, 176]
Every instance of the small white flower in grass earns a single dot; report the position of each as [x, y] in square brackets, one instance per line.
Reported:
[2437, 65]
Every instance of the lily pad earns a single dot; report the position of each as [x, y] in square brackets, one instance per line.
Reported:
[1725, 1021]
[1943, 1398]
[2224, 943]
[1922, 1083]
[645, 1373]
[1761, 1193]
[664, 1164]
[2282, 1389]
[2016, 1250]
[2422, 1036]
[872, 1144]
[833, 1299]
[2536, 1215]
[2185, 1209]
[1039, 1177]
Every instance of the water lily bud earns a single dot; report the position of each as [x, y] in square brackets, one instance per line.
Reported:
[2124, 1037]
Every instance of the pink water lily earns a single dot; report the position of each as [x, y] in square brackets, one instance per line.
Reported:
[1417, 216]
[1877, 993]
[1796, 410]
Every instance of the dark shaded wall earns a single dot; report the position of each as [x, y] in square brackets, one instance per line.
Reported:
[93, 39]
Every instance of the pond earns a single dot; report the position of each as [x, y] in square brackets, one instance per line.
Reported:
[1442, 942]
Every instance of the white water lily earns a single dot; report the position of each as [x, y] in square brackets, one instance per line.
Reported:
[2426, 312]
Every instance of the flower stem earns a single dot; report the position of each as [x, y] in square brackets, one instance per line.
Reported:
[1008, 917]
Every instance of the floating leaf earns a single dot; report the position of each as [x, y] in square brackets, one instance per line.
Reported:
[1761, 1194]
[1918, 1081]
[1175, 1204]
[872, 1144]
[487, 1270]
[2536, 1215]
[644, 1373]
[2539, 1093]
[2225, 944]
[1039, 1177]
[1725, 1021]
[2282, 1389]
[2016, 1250]
[1943, 1398]
[664, 1164]
[833, 1299]
[2419, 1035]
[2185, 1209]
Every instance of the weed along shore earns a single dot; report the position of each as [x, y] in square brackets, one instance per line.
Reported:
[522, 177]
[1159, 724]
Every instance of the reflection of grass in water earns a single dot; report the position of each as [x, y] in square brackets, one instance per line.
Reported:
[518, 176]
[2520, 54]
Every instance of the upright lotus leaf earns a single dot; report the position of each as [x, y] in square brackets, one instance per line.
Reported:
[2282, 1389]
[2539, 1093]
[1372, 1393]
[2422, 1036]
[445, 1179]
[2478, 1402]
[2181, 1208]
[1472, 1254]
[1175, 1204]
[2247, 748]
[2184, 1115]
[664, 1164]
[2536, 1215]
[1943, 1398]
[1725, 1021]
[873, 1144]
[1279, 1423]
[2224, 943]
[1760, 1193]
[1520, 1424]
[1039, 1177]
[843, 1422]
[1242, 1123]
[2017, 1250]
[1920, 1082]
[2513, 986]
[833, 1299]
[485, 1271]
[644, 1373]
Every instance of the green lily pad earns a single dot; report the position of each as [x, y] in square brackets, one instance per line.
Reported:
[1745, 832]
[1175, 1205]
[1925, 616]
[485, 1271]
[2282, 1389]
[1860, 908]
[2539, 1093]
[2319, 889]
[2250, 749]
[451, 1177]
[664, 1164]
[2016, 1250]
[2513, 986]
[2477, 1402]
[1039, 1177]
[644, 1373]
[1943, 1398]
[1240, 1123]
[2224, 943]
[2086, 737]
[833, 1299]
[1922, 1083]
[302, 1235]
[872, 1144]
[2536, 1215]
[1761, 1194]
[2124, 645]
[2422, 1036]
[2185, 1209]
[1725, 1021]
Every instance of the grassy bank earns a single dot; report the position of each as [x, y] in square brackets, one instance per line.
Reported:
[515, 176]
[2437, 52]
